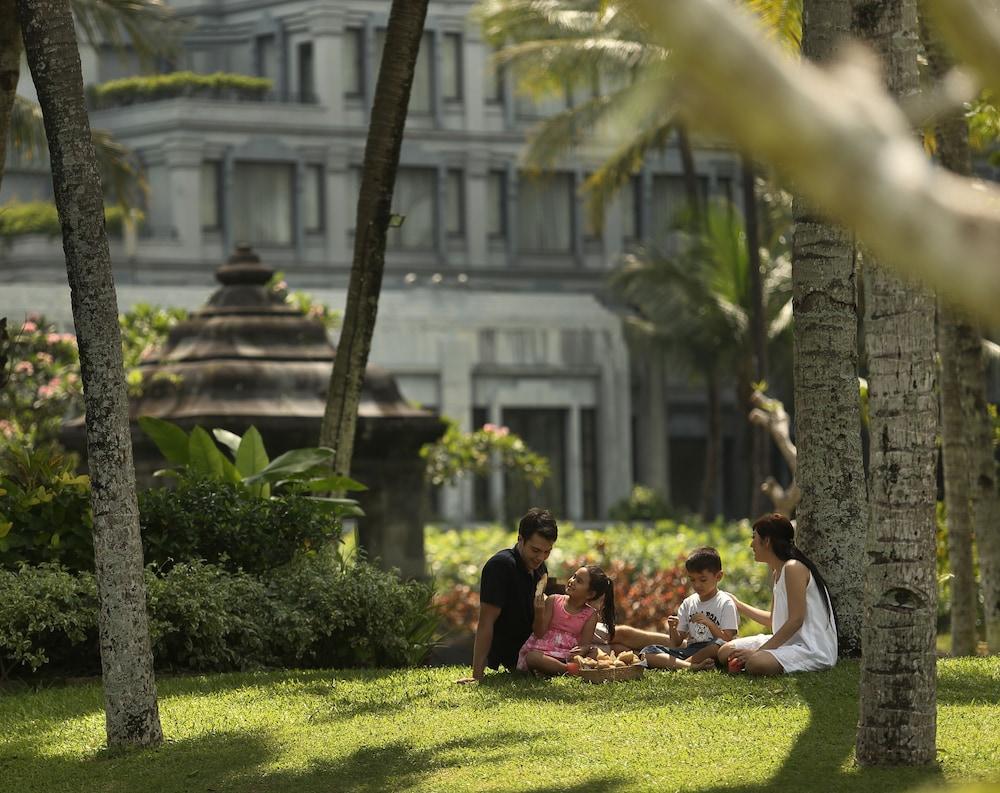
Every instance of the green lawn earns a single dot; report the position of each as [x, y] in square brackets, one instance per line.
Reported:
[417, 730]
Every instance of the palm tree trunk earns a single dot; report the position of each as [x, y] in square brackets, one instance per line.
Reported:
[758, 435]
[690, 174]
[985, 496]
[833, 511]
[897, 719]
[131, 711]
[958, 420]
[713, 450]
[10, 71]
[385, 137]
[956, 460]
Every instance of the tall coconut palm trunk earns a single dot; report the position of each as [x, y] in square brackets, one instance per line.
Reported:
[832, 515]
[10, 71]
[958, 419]
[897, 724]
[385, 137]
[126, 658]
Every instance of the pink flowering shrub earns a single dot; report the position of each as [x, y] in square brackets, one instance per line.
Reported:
[458, 453]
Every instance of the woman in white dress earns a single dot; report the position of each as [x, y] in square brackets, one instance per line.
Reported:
[803, 627]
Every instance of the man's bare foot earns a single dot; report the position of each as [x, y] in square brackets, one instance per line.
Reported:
[703, 666]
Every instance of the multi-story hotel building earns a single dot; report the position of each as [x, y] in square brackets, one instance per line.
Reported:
[492, 306]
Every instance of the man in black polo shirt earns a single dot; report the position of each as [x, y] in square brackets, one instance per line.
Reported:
[507, 594]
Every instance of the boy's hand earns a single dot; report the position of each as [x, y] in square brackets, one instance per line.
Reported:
[672, 622]
[701, 618]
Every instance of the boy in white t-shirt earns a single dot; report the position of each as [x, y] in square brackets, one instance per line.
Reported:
[704, 622]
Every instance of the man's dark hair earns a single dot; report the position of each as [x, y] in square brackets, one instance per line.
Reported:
[538, 521]
[703, 559]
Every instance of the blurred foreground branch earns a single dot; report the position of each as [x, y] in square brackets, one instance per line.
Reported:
[843, 143]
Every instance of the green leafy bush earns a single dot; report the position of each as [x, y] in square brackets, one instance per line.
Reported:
[149, 88]
[319, 611]
[48, 615]
[206, 618]
[19, 218]
[44, 508]
[643, 503]
[350, 613]
[226, 524]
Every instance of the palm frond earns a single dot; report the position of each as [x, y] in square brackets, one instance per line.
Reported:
[149, 27]
[27, 129]
[121, 174]
[782, 19]
[123, 178]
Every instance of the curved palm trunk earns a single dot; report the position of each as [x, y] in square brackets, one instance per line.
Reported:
[958, 419]
[126, 658]
[385, 137]
[833, 511]
[713, 450]
[10, 71]
[897, 719]
[758, 435]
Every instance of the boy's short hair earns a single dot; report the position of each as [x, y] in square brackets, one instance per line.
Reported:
[703, 559]
[538, 521]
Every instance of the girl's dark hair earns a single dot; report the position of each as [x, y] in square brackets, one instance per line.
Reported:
[600, 585]
[779, 530]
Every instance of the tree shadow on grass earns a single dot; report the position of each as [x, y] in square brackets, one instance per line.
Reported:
[209, 762]
[399, 766]
[821, 757]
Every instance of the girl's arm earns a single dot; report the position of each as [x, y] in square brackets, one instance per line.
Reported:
[754, 613]
[796, 580]
[586, 637]
[543, 615]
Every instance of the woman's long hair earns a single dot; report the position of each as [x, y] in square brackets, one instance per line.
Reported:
[601, 585]
[779, 530]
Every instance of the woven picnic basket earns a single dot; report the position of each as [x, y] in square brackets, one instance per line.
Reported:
[612, 674]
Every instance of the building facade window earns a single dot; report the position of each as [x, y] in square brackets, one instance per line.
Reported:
[545, 214]
[306, 72]
[589, 463]
[496, 204]
[313, 199]
[629, 201]
[414, 198]
[267, 61]
[492, 79]
[451, 67]
[669, 204]
[262, 203]
[544, 431]
[352, 70]
[211, 195]
[454, 213]
[420, 91]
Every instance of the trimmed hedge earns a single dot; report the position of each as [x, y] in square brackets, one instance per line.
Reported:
[319, 611]
[151, 88]
[19, 218]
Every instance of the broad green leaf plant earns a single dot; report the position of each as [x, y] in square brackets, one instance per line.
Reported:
[305, 472]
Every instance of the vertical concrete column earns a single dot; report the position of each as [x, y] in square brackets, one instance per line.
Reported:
[574, 465]
[183, 160]
[651, 437]
[475, 53]
[614, 419]
[457, 357]
[340, 206]
[497, 485]
[326, 25]
[476, 208]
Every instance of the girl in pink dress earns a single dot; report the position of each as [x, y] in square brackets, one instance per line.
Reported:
[564, 624]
